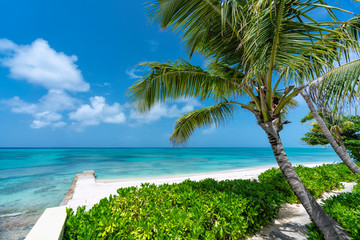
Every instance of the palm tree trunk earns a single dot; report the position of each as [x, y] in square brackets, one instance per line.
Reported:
[340, 141]
[328, 226]
[342, 154]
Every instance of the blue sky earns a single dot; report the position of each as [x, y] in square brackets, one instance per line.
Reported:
[65, 67]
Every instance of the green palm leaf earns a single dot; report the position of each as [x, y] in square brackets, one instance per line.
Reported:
[207, 116]
[243, 32]
[338, 88]
[179, 79]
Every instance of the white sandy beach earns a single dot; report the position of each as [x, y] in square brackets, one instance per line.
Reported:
[88, 191]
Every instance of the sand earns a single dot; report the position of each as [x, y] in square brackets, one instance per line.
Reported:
[88, 191]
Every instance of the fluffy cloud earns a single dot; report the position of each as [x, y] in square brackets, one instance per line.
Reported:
[47, 111]
[98, 112]
[39, 64]
[19, 106]
[54, 101]
[58, 101]
[43, 119]
[164, 110]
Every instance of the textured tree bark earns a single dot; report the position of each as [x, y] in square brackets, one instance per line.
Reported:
[340, 141]
[342, 154]
[328, 226]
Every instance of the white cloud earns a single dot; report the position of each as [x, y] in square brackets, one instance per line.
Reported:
[59, 124]
[43, 119]
[19, 106]
[98, 112]
[7, 46]
[53, 101]
[39, 64]
[57, 100]
[135, 73]
[47, 111]
[159, 111]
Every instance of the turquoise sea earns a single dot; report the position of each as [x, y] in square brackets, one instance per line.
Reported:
[34, 179]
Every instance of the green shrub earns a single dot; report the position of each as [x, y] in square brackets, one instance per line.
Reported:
[317, 180]
[207, 209]
[343, 208]
[189, 210]
[357, 188]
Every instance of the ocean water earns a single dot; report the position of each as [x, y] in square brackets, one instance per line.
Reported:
[34, 179]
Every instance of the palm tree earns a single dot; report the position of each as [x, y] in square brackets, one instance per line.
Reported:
[331, 91]
[337, 125]
[336, 128]
[249, 44]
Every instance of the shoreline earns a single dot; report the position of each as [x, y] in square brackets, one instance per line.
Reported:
[187, 175]
[88, 191]
[250, 170]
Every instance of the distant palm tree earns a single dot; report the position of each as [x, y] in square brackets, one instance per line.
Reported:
[333, 90]
[337, 129]
[337, 126]
[253, 46]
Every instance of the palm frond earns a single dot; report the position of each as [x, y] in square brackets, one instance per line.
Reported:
[243, 33]
[179, 79]
[338, 88]
[286, 109]
[335, 41]
[256, 39]
[207, 116]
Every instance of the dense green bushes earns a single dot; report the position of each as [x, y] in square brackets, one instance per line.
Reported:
[190, 210]
[345, 209]
[208, 209]
[318, 179]
[357, 188]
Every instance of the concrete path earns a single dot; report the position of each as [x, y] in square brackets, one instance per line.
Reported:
[292, 220]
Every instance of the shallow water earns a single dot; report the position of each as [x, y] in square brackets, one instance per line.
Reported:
[34, 179]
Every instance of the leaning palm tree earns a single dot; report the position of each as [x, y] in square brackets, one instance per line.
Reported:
[337, 125]
[253, 47]
[334, 90]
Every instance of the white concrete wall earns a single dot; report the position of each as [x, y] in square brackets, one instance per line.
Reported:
[50, 225]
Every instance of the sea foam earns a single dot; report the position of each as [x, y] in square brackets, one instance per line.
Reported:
[10, 214]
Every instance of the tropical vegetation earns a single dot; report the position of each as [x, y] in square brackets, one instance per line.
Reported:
[207, 209]
[344, 208]
[317, 180]
[189, 210]
[346, 131]
[252, 49]
[343, 81]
